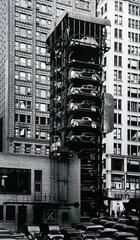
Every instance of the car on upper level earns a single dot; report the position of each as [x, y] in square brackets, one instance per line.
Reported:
[83, 137]
[84, 105]
[84, 74]
[85, 41]
[84, 89]
[84, 122]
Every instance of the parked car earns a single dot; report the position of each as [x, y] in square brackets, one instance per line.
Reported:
[6, 235]
[4, 231]
[89, 228]
[84, 89]
[103, 221]
[20, 236]
[84, 105]
[122, 235]
[124, 220]
[83, 137]
[71, 233]
[107, 232]
[119, 226]
[95, 220]
[51, 231]
[32, 231]
[131, 238]
[86, 74]
[85, 41]
[3, 237]
[84, 121]
[131, 229]
[111, 218]
[109, 224]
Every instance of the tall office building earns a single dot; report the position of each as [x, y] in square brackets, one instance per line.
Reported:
[24, 107]
[121, 175]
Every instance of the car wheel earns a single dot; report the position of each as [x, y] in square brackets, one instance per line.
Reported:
[75, 124]
[93, 93]
[75, 107]
[93, 125]
[93, 109]
[75, 92]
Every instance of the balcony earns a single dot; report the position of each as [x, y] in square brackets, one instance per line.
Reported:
[31, 199]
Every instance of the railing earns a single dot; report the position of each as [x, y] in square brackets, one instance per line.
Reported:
[35, 198]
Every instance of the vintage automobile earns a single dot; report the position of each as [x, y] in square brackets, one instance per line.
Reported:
[20, 236]
[71, 233]
[90, 230]
[51, 231]
[119, 226]
[109, 224]
[32, 232]
[84, 74]
[84, 89]
[122, 235]
[107, 232]
[84, 121]
[83, 137]
[84, 105]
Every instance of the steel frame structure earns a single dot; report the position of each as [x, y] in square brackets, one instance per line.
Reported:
[76, 46]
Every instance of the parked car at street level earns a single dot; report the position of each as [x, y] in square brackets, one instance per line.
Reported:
[103, 221]
[131, 229]
[107, 232]
[20, 236]
[70, 233]
[109, 224]
[122, 235]
[124, 220]
[119, 226]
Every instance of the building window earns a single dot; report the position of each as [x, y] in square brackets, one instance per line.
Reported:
[117, 164]
[117, 75]
[42, 120]
[38, 180]
[37, 149]
[117, 90]
[47, 151]
[118, 19]
[117, 61]
[10, 213]
[1, 213]
[17, 180]
[27, 148]
[42, 107]
[117, 133]
[17, 147]
[117, 181]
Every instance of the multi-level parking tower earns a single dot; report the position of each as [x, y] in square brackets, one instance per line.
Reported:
[76, 46]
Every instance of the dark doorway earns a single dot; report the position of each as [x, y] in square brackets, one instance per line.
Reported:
[22, 217]
[37, 215]
[65, 218]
